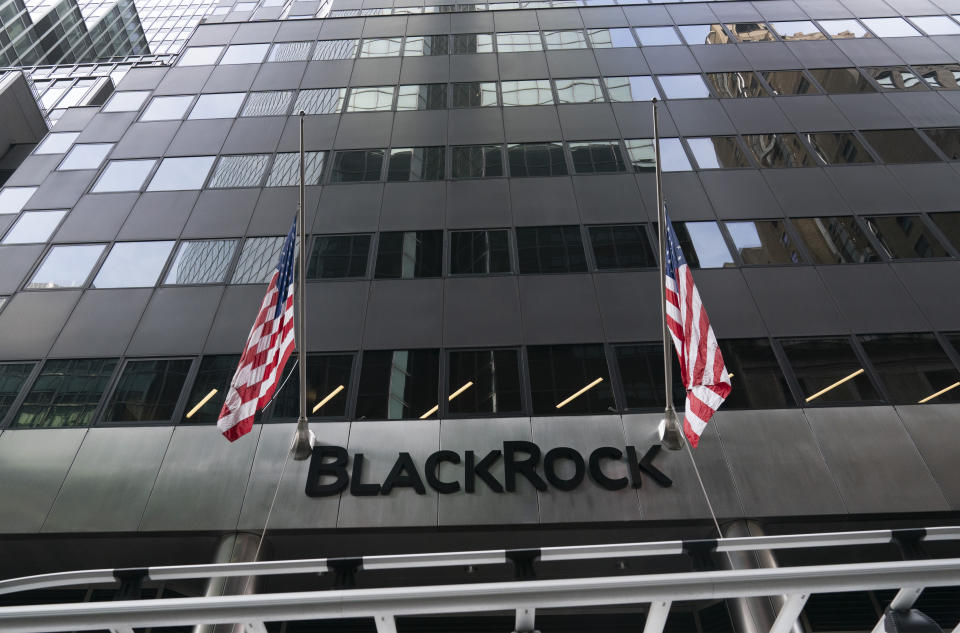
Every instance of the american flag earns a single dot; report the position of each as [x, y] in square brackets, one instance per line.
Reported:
[269, 345]
[702, 368]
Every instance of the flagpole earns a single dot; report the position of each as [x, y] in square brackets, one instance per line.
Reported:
[302, 447]
[670, 433]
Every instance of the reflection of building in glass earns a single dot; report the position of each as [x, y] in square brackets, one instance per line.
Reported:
[201, 262]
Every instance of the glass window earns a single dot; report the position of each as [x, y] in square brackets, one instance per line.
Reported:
[66, 266]
[683, 86]
[371, 99]
[642, 154]
[797, 31]
[751, 32]
[475, 94]
[657, 35]
[536, 159]
[891, 27]
[484, 382]
[896, 78]
[550, 249]
[85, 156]
[828, 371]
[12, 378]
[273, 103]
[900, 146]
[641, 375]
[336, 49]
[362, 165]
[56, 143]
[558, 372]
[940, 75]
[672, 155]
[320, 101]
[638, 88]
[778, 150]
[166, 108]
[718, 152]
[465, 43]
[290, 52]
[841, 80]
[338, 256]
[148, 390]
[704, 34]
[409, 254]
[527, 93]
[843, 29]
[905, 237]
[243, 170]
[181, 173]
[758, 382]
[398, 384]
[328, 376]
[835, 240]
[210, 388]
[519, 42]
[736, 85]
[258, 260]
[133, 265]
[936, 25]
[837, 148]
[425, 45]
[763, 242]
[33, 227]
[703, 244]
[126, 101]
[217, 106]
[286, 169]
[789, 82]
[13, 199]
[947, 139]
[476, 161]
[200, 55]
[949, 224]
[381, 47]
[245, 54]
[422, 97]
[610, 38]
[621, 247]
[416, 163]
[479, 252]
[559, 40]
[201, 262]
[585, 90]
[65, 394]
[596, 157]
[912, 367]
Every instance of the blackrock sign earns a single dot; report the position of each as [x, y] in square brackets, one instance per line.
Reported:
[329, 474]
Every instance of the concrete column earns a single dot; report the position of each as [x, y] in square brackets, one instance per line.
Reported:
[236, 547]
[752, 615]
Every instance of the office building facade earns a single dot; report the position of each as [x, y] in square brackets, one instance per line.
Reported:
[481, 210]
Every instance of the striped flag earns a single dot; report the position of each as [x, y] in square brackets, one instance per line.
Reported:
[269, 345]
[704, 373]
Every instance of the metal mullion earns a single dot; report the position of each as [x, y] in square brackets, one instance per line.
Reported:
[96, 418]
[787, 370]
[927, 220]
[861, 355]
[182, 401]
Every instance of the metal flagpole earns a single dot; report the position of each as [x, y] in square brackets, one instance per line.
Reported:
[670, 433]
[302, 447]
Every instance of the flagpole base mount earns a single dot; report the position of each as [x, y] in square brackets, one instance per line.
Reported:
[670, 434]
[303, 442]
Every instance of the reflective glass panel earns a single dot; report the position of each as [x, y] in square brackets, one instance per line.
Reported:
[181, 173]
[718, 152]
[843, 29]
[657, 35]
[758, 382]
[585, 90]
[484, 381]
[286, 169]
[736, 85]
[905, 237]
[641, 153]
[425, 45]
[949, 224]
[596, 156]
[422, 97]
[526, 93]
[479, 252]
[398, 384]
[557, 372]
[336, 49]
[476, 161]
[201, 262]
[85, 156]
[320, 101]
[763, 242]
[891, 27]
[704, 34]
[147, 391]
[65, 393]
[550, 249]
[466, 43]
[12, 378]
[828, 371]
[835, 240]
[703, 244]
[621, 247]
[290, 52]
[416, 163]
[936, 25]
[274, 103]
[357, 165]
[13, 199]
[842, 80]
[166, 108]
[210, 388]
[947, 139]
[789, 82]
[126, 101]
[610, 38]
[217, 106]
[325, 374]
[409, 254]
[912, 367]
[370, 99]
[672, 155]
[778, 150]
[797, 31]
[558, 40]
[896, 78]
[133, 265]
[536, 159]
[56, 143]
[124, 175]
[200, 55]
[339, 256]
[683, 86]
[637, 88]
[641, 375]
[381, 47]
[940, 75]
[66, 266]
[245, 54]
[474, 94]
[258, 260]
[244, 170]
[751, 32]
[837, 148]
[519, 42]
[900, 146]
[33, 227]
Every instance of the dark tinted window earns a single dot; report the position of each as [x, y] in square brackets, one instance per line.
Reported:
[912, 367]
[148, 390]
[210, 388]
[422, 97]
[789, 82]
[399, 384]
[718, 152]
[409, 254]
[328, 377]
[763, 242]
[758, 382]
[947, 139]
[778, 150]
[475, 94]
[949, 223]
[905, 236]
[536, 159]
[416, 163]
[737, 85]
[476, 161]
[837, 148]
[472, 43]
[357, 165]
[842, 80]
[339, 256]
[66, 393]
[558, 372]
[596, 156]
[828, 371]
[621, 247]
[12, 377]
[550, 249]
[479, 252]
[495, 378]
[900, 146]
[641, 373]
[895, 78]
[835, 240]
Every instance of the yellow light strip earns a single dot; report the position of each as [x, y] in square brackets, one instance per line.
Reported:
[328, 398]
[581, 392]
[426, 415]
[939, 393]
[205, 400]
[453, 395]
[836, 384]
[730, 375]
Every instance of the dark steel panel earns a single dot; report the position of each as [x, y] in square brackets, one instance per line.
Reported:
[780, 10]
[367, 129]
[653, 15]
[713, 58]
[253, 135]
[925, 109]
[474, 67]
[224, 213]
[769, 55]
[425, 70]
[61, 190]
[409, 206]
[868, 52]
[629, 305]
[348, 207]
[235, 316]
[870, 188]
[107, 127]
[545, 201]
[253, 32]
[930, 185]
[932, 427]
[146, 140]
[740, 194]
[478, 203]
[32, 170]
[733, 313]
[559, 309]
[156, 215]
[683, 194]
[142, 78]
[15, 263]
[817, 112]
[335, 318]
[935, 286]
[700, 117]
[663, 60]
[431, 24]
[559, 19]
[375, 72]
[480, 22]
[318, 133]
[621, 61]
[411, 129]
[610, 198]
[334, 73]
[819, 54]
[872, 299]
[736, 12]
[404, 314]
[587, 121]
[756, 115]
[279, 76]
[187, 80]
[102, 323]
[690, 14]
[207, 34]
[481, 311]
[515, 21]
[176, 321]
[31, 321]
[96, 218]
[793, 301]
[572, 63]
[805, 192]
[475, 125]
[197, 138]
[533, 123]
[385, 26]
[522, 65]
[231, 78]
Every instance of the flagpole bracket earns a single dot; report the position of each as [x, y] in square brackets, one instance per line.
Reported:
[303, 441]
[670, 434]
